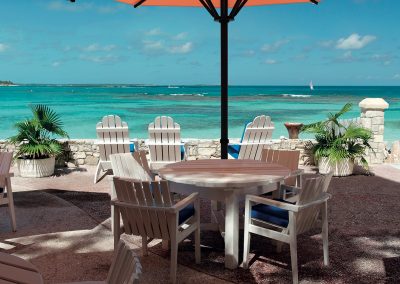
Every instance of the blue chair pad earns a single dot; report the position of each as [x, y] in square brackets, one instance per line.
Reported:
[132, 148]
[186, 213]
[234, 150]
[271, 214]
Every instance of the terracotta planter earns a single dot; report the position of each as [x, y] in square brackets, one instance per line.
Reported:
[36, 167]
[340, 169]
[293, 129]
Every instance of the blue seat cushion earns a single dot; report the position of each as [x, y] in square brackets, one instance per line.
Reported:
[182, 152]
[132, 148]
[186, 213]
[234, 150]
[271, 214]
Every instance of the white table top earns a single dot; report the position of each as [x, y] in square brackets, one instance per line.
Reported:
[225, 173]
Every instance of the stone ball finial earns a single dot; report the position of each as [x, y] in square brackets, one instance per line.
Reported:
[373, 104]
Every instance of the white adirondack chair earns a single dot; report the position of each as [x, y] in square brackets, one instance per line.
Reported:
[283, 221]
[148, 211]
[164, 142]
[125, 267]
[6, 194]
[127, 165]
[112, 138]
[256, 137]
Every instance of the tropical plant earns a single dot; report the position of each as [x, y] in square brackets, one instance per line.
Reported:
[36, 136]
[338, 142]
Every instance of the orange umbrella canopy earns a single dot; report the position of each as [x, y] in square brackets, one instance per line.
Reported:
[197, 3]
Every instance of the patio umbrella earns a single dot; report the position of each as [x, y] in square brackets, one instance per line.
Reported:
[223, 17]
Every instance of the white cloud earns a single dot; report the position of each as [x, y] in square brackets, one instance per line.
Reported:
[153, 32]
[273, 47]
[271, 61]
[396, 76]
[56, 64]
[96, 47]
[326, 43]
[100, 59]
[149, 45]
[3, 47]
[180, 36]
[354, 41]
[184, 48]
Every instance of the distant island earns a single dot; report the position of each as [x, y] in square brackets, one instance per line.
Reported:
[6, 83]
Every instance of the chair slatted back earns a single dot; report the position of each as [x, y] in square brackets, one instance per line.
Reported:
[287, 158]
[113, 136]
[133, 166]
[164, 140]
[150, 222]
[312, 189]
[5, 165]
[125, 267]
[256, 137]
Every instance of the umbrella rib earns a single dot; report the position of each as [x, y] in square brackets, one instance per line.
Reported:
[210, 8]
[236, 9]
[139, 3]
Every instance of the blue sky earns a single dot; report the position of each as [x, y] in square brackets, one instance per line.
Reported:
[339, 42]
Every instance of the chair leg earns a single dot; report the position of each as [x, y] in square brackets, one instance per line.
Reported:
[197, 232]
[98, 169]
[325, 241]
[293, 246]
[174, 258]
[11, 205]
[144, 246]
[247, 237]
[116, 226]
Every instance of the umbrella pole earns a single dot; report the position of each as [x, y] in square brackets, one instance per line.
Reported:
[224, 20]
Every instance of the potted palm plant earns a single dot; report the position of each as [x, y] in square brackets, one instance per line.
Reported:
[338, 146]
[36, 144]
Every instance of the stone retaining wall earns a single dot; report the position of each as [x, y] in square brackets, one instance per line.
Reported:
[85, 152]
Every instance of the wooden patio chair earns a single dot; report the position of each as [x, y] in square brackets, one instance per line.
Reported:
[283, 221]
[6, 194]
[147, 210]
[256, 137]
[165, 145]
[125, 267]
[287, 158]
[112, 138]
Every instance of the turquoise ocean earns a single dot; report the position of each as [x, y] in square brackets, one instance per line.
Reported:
[195, 108]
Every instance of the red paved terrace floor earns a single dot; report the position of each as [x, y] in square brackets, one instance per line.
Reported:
[64, 229]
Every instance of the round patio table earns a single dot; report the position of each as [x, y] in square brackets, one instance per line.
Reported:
[17, 270]
[227, 181]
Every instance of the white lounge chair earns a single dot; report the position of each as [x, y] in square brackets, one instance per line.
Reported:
[148, 211]
[164, 143]
[112, 138]
[125, 267]
[256, 137]
[283, 221]
[6, 194]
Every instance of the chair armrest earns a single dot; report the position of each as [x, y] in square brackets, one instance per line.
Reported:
[325, 197]
[275, 203]
[186, 201]
[252, 143]
[7, 175]
[290, 188]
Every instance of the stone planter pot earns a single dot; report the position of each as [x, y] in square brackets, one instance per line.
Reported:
[36, 167]
[340, 169]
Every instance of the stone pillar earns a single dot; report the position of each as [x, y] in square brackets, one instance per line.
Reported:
[372, 117]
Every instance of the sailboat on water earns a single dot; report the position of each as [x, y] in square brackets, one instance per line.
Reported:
[311, 86]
